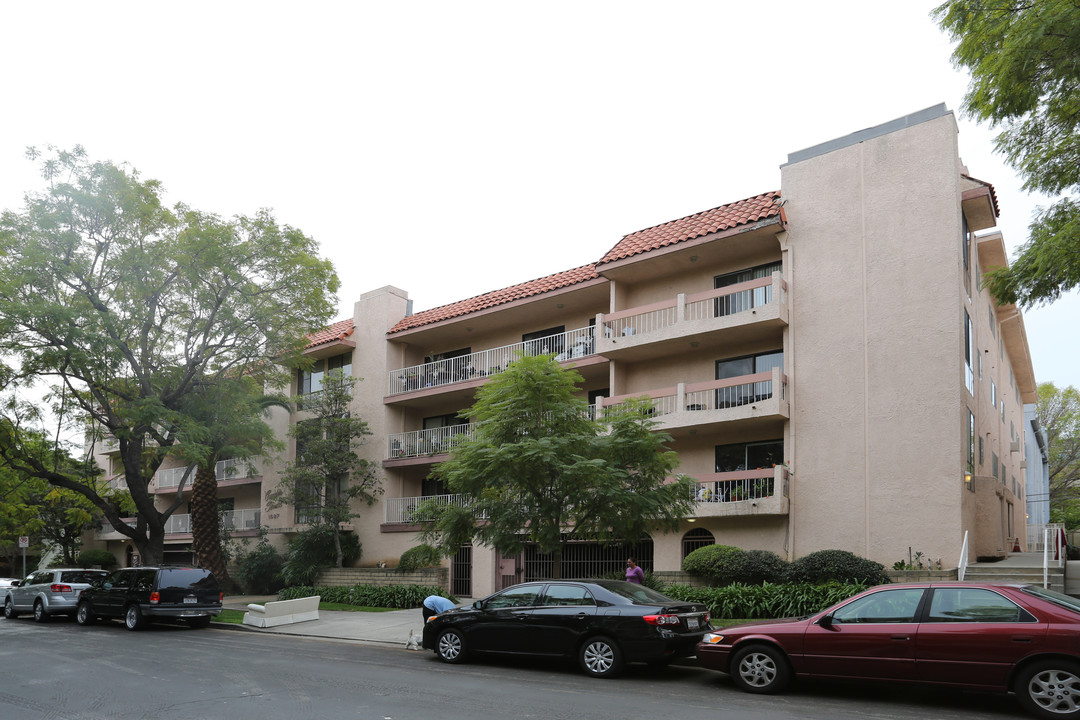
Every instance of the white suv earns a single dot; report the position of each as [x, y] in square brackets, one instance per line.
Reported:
[49, 592]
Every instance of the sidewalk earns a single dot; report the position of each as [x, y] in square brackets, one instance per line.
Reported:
[389, 628]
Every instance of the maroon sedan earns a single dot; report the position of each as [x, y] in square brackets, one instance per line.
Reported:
[1018, 638]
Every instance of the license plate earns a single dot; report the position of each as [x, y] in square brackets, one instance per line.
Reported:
[190, 601]
[692, 623]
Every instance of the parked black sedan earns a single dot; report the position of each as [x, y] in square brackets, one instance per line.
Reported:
[603, 623]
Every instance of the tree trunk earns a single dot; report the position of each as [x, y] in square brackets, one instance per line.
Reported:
[205, 523]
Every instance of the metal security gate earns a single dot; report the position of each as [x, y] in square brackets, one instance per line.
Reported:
[461, 572]
[588, 560]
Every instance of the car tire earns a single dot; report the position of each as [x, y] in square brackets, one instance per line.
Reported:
[1050, 688]
[600, 657]
[133, 618]
[199, 622]
[761, 669]
[84, 615]
[9, 610]
[450, 646]
[40, 614]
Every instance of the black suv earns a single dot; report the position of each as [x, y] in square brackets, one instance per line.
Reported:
[143, 594]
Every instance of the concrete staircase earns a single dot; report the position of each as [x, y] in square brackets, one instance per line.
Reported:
[1017, 568]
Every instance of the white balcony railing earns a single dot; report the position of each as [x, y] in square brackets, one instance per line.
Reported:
[403, 510]
[177, 524]
[569, 345]
[241, 519]
[707, 305]
[420, 443]
[228, 469]
[741, 485]
[713, 394]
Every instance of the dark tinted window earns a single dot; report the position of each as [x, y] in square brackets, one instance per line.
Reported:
[514, 597]
[637, 594]
[184, 578]
[567, 595]
[974, 605]
[144, 580]
[80, 576]
[119, 579]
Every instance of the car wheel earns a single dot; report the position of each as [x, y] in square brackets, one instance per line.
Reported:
[199, 622]
[1050, 689]
[600, 657]
[39, 612]
[760, 669]
[83, 615]
[133, 618]
[9, 610]
[450, 646]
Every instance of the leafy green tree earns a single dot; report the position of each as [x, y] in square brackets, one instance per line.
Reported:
[1058, 411]
[127, 307]
[540, 470]
[1025, 80]
[328, 473]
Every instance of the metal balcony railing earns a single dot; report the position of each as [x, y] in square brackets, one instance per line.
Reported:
[420, 443]
[228, 469]
[710, 304]
[712, 394]
[404, 509]
[565, 346]
[740, 485]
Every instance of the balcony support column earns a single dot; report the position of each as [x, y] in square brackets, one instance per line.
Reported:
[680, 396]
[680, 308]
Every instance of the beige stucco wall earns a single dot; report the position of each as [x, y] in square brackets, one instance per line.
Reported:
[875, 345]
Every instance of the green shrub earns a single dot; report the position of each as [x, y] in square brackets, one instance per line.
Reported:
[421, 556]
[383, 596]
[755, 567]
[312, 550]
[97, 556]
[837, 566]
[259, 571]
[765, 601]
[717, 563]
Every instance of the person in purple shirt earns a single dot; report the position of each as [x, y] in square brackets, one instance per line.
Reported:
[634, 574]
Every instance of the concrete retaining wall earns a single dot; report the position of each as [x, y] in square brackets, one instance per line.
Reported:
[345, 577]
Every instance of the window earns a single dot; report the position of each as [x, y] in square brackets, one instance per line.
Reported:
[696, 538]
[982, 459]
[887, 606]
[993, 394]
[969, 352]
[311, 380]
[965, 249]
[564, 595]
[748, 456]
[751, 392]
[971, 444]
[545, 342]
[994, 464]
[974, 605]
[514, 597]
[990, 316]
[747, 299]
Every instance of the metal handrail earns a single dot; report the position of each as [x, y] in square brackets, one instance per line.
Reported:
[961, 569]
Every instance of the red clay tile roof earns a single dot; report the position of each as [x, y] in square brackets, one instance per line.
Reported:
[724, 217]
[338, 331]
[498, 297]
[993, 194]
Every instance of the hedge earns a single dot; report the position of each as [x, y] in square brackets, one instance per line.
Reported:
[382, 596]
[766, 601]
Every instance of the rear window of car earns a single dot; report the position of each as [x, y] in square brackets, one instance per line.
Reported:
[185, 578]
[637, 594]
[1069, 603]
[81, 576]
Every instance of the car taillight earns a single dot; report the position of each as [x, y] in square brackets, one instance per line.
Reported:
[155, 598]
[58, 588]
[661, 619]
[221, 597]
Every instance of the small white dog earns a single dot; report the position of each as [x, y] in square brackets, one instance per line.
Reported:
[414, 641]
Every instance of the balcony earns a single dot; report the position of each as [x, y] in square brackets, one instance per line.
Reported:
[231, 469]
[764, 491]
[233, 520]
[473, 368]
[425, 443]
[757, 398]
[403, 510]
[746, 311]
[108, 532]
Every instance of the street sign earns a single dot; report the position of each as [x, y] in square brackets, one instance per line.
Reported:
[24, 541]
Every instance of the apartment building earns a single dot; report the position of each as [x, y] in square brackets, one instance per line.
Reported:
[830, 369]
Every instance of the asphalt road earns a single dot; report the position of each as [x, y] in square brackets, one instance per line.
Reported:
[60, 671]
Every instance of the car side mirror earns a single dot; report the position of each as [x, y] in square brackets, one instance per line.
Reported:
[826, 621]
[478, 605]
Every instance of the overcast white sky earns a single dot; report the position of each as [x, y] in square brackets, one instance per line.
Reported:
[451, 148]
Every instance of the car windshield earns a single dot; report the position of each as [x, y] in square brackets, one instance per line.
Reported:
[1069, 603]
[637, 594]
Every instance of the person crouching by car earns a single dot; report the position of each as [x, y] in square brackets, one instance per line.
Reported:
[435, 604]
